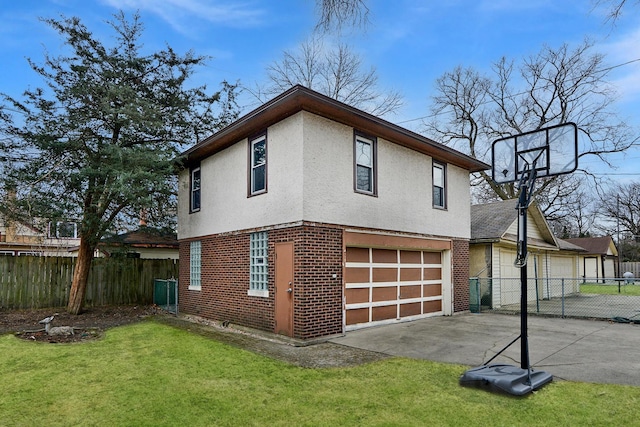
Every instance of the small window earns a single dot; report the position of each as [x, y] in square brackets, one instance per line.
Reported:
[258, 283]
[258, 179]
[195, 264]
[439, 186]
[63, 230]
[365, 165]
[196, 184]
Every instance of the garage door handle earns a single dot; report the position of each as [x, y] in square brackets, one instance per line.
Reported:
[290, 289]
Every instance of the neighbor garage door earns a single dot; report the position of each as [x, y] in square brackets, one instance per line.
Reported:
[383, 285]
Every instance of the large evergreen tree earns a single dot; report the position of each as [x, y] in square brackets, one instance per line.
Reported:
[98, 142]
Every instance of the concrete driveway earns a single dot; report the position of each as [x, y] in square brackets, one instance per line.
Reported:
[570, 349]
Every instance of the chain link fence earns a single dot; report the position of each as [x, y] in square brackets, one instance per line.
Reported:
[614, 299]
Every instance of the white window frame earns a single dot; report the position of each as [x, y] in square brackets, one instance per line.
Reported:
[195, 191]
[195, 265]
[255, 166]
[440, 186]
[259, 265]
[370, 165]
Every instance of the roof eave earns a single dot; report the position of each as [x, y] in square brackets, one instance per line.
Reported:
[300, 98]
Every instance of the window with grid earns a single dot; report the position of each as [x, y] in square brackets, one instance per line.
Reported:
[195, 190]
[195, 263]
[364, 165]
[259, 165]
[259, 267]
[439, 189]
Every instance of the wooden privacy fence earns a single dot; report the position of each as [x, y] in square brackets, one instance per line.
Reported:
[633, 267]
[39, 282]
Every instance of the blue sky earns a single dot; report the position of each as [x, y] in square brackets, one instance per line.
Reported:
[410, 42]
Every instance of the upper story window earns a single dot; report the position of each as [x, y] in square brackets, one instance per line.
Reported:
[439, 185]
[63, 230]
[258, 178]
[365, 179]
[196, 184]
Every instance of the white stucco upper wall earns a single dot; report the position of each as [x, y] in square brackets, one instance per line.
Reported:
[225, 205]
[310, 177]
[404, 196]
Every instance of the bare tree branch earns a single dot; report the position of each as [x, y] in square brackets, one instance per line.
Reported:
[555, 86]
[334, 14]
[336, 72]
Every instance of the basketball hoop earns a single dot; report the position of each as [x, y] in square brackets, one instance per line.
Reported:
[545, 152]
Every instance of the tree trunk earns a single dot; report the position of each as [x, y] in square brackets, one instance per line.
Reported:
[80, 278]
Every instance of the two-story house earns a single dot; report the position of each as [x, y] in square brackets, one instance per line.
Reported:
[307, 217]
[20, 238]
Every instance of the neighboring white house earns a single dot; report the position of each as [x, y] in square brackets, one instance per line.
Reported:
[600, 260]
[308, 217]
[494, 229]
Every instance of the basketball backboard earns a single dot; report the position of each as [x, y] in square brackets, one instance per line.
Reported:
[550, 151]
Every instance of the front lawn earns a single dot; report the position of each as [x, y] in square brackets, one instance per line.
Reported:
[612, 289]
[149, 374]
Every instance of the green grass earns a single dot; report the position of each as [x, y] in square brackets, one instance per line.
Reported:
[610, 289]
[149, 374]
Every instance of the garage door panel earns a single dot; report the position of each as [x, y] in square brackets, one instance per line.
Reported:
[356, 275]
[384, 313]
[432, 274]
[432, 257]
[385, 274]
[407, 292]
[358, 315]
[357, 254]
[410, 274]
[412, 309]
[357, 295]
[384, 294]
[381, 256]
[410, 257]
[432, 290]
[432, 306]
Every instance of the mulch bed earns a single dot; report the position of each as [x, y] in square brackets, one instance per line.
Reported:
[88, 325]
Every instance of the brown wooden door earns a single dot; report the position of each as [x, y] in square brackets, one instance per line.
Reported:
[284, 289]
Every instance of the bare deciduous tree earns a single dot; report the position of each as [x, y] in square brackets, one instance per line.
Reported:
[336, 72]
[621, 202]
[470, 110]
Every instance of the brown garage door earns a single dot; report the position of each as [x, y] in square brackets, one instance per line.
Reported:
[383, 285]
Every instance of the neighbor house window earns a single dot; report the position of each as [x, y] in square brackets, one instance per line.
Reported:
[365, 164]
[195, 264]
[258, 285]
[439, 185]
[63, 230]
[196, 184]
[258, 160]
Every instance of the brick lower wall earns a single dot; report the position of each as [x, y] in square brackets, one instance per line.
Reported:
[460, 275]
[225, 280]
[318, 257]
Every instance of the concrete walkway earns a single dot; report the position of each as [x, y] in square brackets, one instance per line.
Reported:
[569, 349]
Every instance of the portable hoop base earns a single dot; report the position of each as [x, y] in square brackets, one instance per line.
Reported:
[505, 378]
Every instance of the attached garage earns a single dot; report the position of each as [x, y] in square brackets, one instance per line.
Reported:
[384, 284]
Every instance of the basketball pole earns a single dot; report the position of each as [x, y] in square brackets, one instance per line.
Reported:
[522, 242]
[526, 191]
